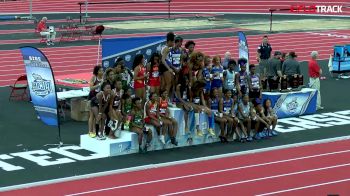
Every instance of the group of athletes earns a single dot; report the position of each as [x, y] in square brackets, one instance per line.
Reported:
[179, 77]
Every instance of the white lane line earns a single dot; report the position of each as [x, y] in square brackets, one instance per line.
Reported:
[172, 163]
[208, 173]
[305, 187]
[257, 179]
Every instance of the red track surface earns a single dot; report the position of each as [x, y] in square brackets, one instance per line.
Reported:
[259, 6]
[309, 170]
[79, 59]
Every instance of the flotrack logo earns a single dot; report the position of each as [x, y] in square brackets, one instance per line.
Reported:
[319, 9]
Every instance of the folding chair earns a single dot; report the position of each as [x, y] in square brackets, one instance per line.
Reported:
[19, 89]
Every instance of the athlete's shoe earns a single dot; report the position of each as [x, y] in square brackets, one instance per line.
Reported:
[211, 132]
[199, 133]
[162, 139]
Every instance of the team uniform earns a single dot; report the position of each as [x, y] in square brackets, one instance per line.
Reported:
[154, 79]
[163, 106]
[206, 76]
[227, 106]
[140, 83]
[217, 82]
[93, 93]
[243, 82]
[175, 57]
[254, 92]
[153, 108]
[229, 82]
[214, 105]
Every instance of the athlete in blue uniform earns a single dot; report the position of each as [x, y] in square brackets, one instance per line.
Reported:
[216, 105]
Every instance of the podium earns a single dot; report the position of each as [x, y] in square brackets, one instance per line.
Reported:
[128, 141]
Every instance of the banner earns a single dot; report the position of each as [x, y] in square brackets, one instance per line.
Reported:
[292, 103]
[41, 85]
[128, 48]
[243, 50]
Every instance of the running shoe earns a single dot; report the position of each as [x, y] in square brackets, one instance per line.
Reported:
[162, 139]
[199, 133]
[211, 132]
[92, 134]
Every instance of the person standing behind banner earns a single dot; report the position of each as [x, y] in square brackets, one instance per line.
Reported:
[291, 70]
[44, 31]
[314, 73]
[274, 71]
[263, 55]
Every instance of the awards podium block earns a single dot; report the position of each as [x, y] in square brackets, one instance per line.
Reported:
[126, 144]
[128, 141]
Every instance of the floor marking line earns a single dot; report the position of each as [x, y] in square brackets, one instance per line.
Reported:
[257, 179]
[208, 173]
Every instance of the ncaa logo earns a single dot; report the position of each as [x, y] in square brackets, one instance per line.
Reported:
[128, 58]
[40, 86]
[293, 105]
[149, 52]
[106, 64]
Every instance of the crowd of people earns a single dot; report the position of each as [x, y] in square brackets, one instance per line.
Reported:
[229, 92]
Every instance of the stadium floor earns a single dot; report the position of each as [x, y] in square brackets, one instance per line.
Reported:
[22, 132]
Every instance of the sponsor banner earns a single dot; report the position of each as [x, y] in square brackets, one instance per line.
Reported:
[293, 103]
[128, 48]
[243, 50]
[41, 84]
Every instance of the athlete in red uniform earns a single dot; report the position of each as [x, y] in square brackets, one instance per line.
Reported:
[153, 70]
[140, 76]
[167, 120]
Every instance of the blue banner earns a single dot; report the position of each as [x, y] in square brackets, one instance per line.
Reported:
[41, 84]
[243, 50]
[292, 103]
[128, 48]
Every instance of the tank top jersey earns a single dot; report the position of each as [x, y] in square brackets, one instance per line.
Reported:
[216, 82]
[227, 105]
[117, 99]
[141, 82]
[184, 95]
[96, 82]
[206, 76]
[255, 82]
[196, 100]
[243, 82]
[229, 82]
[154, 79]
[154, 73]
[214, 105]
[175, 56]
[163, 106]
[138, 119]
[152, 108]
[245, 110]
[127, 108]
[168, 57]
